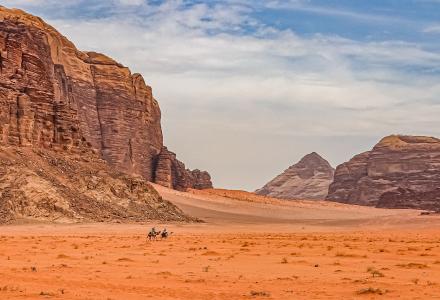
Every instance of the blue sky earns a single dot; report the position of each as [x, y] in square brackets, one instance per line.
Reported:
[249, 87]
[359, 20]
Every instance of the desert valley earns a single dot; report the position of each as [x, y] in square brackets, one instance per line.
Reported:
[248, 247]
[85, 175]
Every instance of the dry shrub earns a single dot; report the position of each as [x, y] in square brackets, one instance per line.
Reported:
[413, 266]
[260, 294]
[369, 291]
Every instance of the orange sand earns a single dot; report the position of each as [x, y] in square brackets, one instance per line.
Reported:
[360, 253]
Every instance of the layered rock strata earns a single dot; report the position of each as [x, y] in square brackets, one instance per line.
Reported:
[54, 96]
[172, 173]
[307, 179]
[399, 172]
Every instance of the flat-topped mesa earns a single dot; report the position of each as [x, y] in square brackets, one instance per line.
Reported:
[399, 172]
[307, 179]
[406, 141]
[55, 96]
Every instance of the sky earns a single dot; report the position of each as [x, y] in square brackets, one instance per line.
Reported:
[247, 87]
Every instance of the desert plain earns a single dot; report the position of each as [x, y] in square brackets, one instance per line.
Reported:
[247, 247]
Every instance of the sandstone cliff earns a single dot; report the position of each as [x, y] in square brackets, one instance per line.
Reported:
[308, 179]
[172, 173]
[399, 172]
[54, 96]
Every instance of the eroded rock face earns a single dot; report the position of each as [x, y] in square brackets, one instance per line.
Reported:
[408, 198]
[399, 172]
[308, 179]
[54, 96]
[171, 173]
[42, 185]
[57, 97]
[201, 180]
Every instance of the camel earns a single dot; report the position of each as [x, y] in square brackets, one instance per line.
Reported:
[165, 235]
[152, 236]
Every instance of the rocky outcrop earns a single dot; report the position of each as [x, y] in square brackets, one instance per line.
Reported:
[43, 185]
[171, 173]
[201, 180]
[408, 198]
[54, 96]
[308, 179]
[399, 172]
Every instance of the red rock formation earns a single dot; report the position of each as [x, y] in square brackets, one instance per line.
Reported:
[200, 180]
[171, 172]
[55, 96]
[399, 172]
[307, 179]
[407, 198]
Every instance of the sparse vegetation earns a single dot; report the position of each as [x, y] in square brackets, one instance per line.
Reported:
[206, 269]
[375, 272]
[125, 259]
[342, 254]
[259, 294]
[370, 290]
[413, 266]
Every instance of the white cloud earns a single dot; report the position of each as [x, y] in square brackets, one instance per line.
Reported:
[306, 6]
[131, 2]
[34, 3]
[432, 29]
[16, 3]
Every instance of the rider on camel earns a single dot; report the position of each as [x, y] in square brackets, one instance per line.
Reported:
[153, 231]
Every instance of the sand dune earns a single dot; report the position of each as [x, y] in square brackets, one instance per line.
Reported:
[219, 207]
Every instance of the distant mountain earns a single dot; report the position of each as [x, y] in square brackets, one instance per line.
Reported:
[399, 172]
[308, 179]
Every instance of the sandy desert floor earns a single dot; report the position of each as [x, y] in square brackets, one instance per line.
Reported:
[249, 248]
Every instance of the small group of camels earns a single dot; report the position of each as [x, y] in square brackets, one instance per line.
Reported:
[153, 234]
